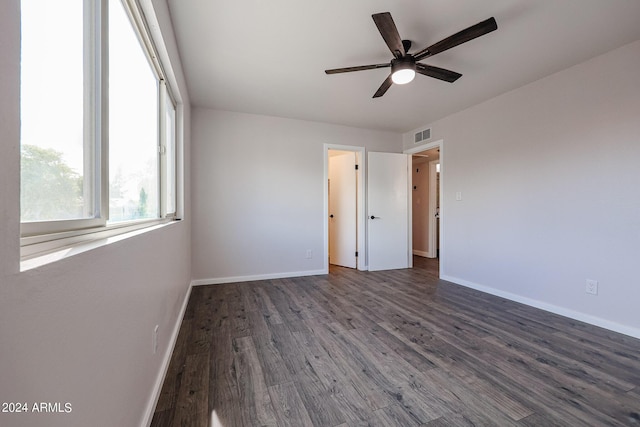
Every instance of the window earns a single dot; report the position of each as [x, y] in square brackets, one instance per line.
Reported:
[56, 179]
[133, 123]
[98, 142]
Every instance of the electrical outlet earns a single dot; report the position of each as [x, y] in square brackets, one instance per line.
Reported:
[592, 287]
[309, 254]
[458, 195]
[155, 339]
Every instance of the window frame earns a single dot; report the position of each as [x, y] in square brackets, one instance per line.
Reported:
[166, 141]
[95, 142]
[39, 237]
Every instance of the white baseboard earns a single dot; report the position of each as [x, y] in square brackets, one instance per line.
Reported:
[562, 311]
[157, 388]
[423, 254]
[235, 279]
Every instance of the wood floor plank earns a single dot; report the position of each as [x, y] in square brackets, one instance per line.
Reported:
[238, 313]
[285, 343]
[579, 330]
[343, 397]
[192, 406]
[171, 387]
[461, 420]
[273, 366]
[201, 332]
[400, 348]
[317, 399]
[347, 296]
[255, 400]
[223, 386]
[369, 384]
[295, 292]
[390, 348]
[162, 418]
[437, 316]
[250, 299]
[288, 405]
[290, 313]
[394, 415]
[219, 310]
[290, 300]
[419, 400]
[620, 361]
[338, 309]
[584, 390]
[318, 357]
[553, 362]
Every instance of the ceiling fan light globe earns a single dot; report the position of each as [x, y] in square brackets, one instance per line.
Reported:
[403, 76]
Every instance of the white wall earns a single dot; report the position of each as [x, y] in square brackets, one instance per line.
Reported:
[549, 175]
[258, 192]
[79, 330]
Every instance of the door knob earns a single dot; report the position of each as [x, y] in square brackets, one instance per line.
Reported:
[373, 217]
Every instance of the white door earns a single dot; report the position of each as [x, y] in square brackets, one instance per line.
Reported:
[342, 210]
[388, 211]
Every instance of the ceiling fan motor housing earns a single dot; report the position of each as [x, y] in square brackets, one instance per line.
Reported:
[403, 69]
[404, 63]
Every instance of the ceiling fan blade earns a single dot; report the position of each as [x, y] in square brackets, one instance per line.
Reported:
[383, 87]
[389, 33]
[438, 73]
[460, 37]
[358, 68]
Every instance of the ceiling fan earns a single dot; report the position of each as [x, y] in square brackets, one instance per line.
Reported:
[405, 65]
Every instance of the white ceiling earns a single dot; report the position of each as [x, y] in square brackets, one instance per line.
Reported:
[269, 57]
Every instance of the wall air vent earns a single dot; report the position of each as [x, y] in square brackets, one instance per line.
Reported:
[422, 136]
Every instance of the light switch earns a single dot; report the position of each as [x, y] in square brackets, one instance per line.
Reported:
[458, 195]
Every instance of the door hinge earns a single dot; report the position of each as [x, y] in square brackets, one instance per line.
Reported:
[356, 167]
[356, 253]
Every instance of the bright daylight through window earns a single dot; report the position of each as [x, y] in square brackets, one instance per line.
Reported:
[79, 115]
[54, 182]
[133, 123]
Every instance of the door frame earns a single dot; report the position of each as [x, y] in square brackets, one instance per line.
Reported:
[360, 204]
[435, 144]
[432, 250]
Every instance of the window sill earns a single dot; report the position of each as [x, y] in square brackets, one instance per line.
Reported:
[42, 253]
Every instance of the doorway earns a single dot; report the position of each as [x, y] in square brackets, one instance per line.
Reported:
[343, 211]
[353, 230]
[426, 201]
[370, 224]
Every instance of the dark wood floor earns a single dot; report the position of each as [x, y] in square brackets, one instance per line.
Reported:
[395, 348]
